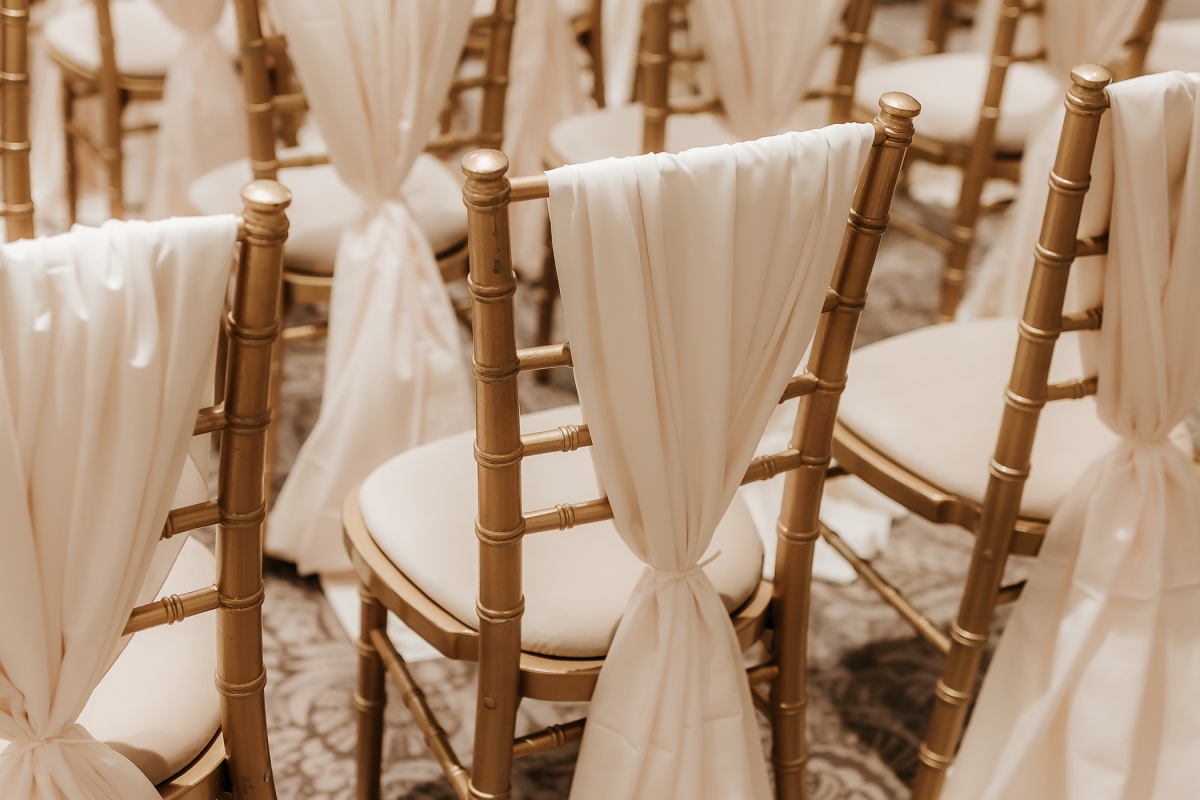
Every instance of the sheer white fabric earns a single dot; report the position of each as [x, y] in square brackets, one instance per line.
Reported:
[1094, 689]
[763, 55]
[375, 74]
[621, 21]
[203, 124]
[543, 90]
[106, 337]
[1075, 32]
[692, 285]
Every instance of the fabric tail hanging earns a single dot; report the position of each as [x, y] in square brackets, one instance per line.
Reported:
[543, 89]
[375, 74]
[203, 124]
[1094, 688]
[106, 344]
[692, 286]
[621, 21]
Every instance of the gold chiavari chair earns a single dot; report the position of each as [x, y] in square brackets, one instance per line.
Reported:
[152, 706]
[14, 125]
[118, 51]
[322, 204]
[615, 132]
[923, 412]
[559, 657]
[986, 140]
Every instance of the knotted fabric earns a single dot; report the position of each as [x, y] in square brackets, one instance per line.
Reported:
[375, 73]
[1074, 32]
[763, 54]
[692, 284]
[203, 122]
[106, 340]
[1094, 688]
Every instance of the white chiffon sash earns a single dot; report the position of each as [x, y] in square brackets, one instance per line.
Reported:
[763, 54]
[1094, 689]
[106, 336]
[692, 285]
[375, 73]
[203, 124]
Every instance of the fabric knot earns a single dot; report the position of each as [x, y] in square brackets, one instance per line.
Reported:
[76, 734]
[687, 573]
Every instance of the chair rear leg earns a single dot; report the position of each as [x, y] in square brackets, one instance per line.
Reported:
[370, 699]
[547, 296]
[70, 175]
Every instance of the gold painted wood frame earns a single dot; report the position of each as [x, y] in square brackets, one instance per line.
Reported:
[996, 523]
[656, 56]
[776, 614]
[981, 160]
[14, 125]
[237, 759]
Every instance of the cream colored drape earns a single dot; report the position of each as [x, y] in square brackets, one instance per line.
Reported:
[1094, 689]
[1075, 32]
[692, 284]
[106, 337]
[203, 123]
[543, 90]
[621, 22]
[375, 73]
[762, 55]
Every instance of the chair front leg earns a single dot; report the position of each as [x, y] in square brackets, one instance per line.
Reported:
[370, 699]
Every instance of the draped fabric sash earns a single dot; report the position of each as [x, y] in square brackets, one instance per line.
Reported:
[692, 285]
[1094, 688]
[203, 123]
[106, 340]
[375, 73]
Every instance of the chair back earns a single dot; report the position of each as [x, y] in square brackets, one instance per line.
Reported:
[500, 447]
[14, 124]
[274, 99]
[239, 509]
[657, 56]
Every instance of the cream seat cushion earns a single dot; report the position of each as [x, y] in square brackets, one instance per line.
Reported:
[950, 88]
[1176, 45]
[322, 206]
[144, 39]
[616, 132]
[932, 400]
[158, 705]
[420, 508]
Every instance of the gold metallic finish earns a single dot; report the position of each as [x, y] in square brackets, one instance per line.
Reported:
[561, 440]
[14, 124]
[545, 357]
[171, 609]
[189, 518]
[549, 738]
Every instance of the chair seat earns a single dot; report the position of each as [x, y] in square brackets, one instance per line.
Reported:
[1176, 45]
[950, 87]
[145, 41]
[322, 206]
[420, 509]
[932, 399]
[158, 705]
[617, 133]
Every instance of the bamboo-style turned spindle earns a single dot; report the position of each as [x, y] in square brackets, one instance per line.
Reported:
[14, 124]
[798, 526]
[1027, 393]
[252, 327]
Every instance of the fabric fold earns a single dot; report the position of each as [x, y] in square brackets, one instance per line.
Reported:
[375, 74]
[1093, 689]
[106, 341]
[692, 285]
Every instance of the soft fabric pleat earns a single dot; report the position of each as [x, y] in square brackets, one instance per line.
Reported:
[203, 121]
[106, 343]
[692, 285]
[1094, 687]
[375, 73]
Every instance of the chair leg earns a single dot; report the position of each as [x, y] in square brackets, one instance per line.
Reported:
[114, 161]
[370, 698]
[70, 174]
[272, 444]
[547, 296]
